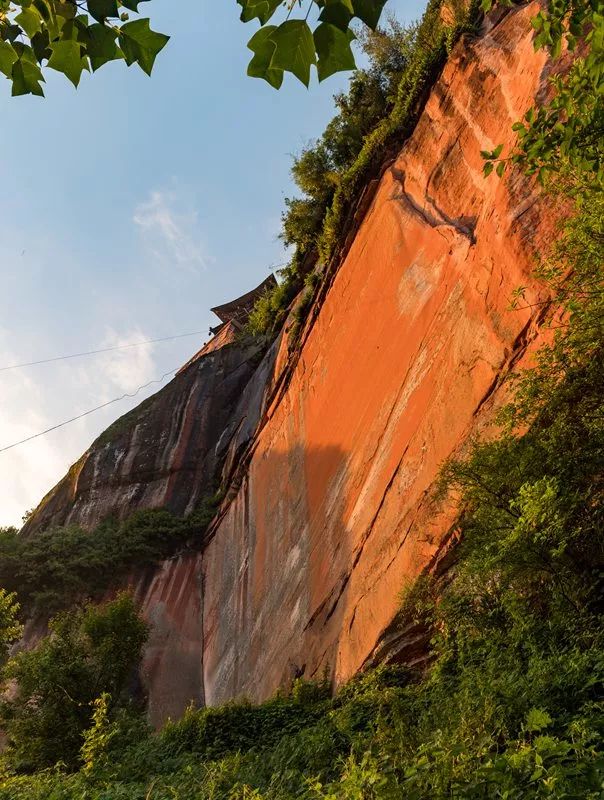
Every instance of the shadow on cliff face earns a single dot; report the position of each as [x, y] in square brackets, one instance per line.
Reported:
[264, 602]
[330, 556]
[276, 574]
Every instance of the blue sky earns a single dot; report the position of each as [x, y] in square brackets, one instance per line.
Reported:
[130, 207]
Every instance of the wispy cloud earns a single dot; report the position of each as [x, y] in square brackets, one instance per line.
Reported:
[35, 399]
[113, 373]
[170, 228]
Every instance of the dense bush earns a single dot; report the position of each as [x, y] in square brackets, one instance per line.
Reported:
[10, 628]
[270, 309]
[88, 651]
[51, 569]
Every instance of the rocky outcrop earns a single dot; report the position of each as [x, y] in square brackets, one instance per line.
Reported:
[330, 452]
[161, 454]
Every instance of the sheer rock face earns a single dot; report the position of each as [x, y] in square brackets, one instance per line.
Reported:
[402, 364]
[328, 515]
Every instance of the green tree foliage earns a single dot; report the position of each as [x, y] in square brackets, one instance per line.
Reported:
[317, 171]
[71, 37]
[269, 311]
[10, 628]
[568, 129]
[88, 651]
[51, 569]
[114, 728]
[294, 47]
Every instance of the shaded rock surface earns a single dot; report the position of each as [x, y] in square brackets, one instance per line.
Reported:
[330, 453]
[161, 454]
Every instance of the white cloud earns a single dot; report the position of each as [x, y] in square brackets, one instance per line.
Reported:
[110, 374]
[37, 398]
[170, 231]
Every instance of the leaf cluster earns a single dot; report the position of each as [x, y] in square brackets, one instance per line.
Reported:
[70, 36]
[568, 128]
[294, 47]
[10, 627]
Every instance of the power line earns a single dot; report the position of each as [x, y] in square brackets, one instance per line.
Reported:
[91, 411]
[102, 350]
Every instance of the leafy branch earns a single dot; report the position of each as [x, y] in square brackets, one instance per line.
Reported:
[569, 129]
[71, 37]
[292, 46]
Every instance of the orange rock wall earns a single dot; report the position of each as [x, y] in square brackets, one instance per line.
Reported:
[400, 367]
[404, 362]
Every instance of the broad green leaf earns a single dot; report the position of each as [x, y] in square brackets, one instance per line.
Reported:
[66, 10]
[27, 78]
[369, 11]
[295, 49]
[11, 32]
[39, 44]
[139, 43]
[263, 48]
[25, 52]
[42, 9]
[7, 58]
[30, 20]
[76, 29]
[101, 46]
[537, 719]
[131, 4]
[333, 49]
[67, 58]
[260, 9]
[101, 9]
[338, 13]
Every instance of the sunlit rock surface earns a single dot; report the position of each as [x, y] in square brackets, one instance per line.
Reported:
[330, 454]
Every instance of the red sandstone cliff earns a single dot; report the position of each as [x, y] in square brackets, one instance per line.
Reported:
[330, 452]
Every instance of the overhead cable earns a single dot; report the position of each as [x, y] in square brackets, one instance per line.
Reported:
[86, 413]
[101, 350]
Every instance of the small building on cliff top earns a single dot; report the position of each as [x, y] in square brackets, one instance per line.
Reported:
[233, 317]
[238, 310]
